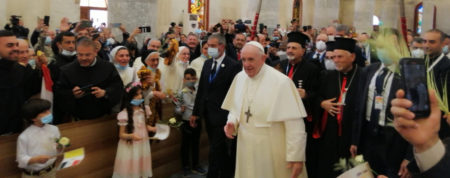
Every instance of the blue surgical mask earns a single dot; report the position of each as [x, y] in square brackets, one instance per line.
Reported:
[137, 102]
[382, 55]
[68, 53]
[150, 68]
[213, 52]
[48, 41]
[445, 49]
[275, 38]
[47, 119]
[206, 57]
[32, 62]
[190, 84]
[120, 67]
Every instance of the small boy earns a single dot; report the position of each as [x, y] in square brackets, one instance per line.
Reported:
[190, 135]
[36, 146]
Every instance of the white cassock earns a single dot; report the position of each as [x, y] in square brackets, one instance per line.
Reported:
[275, 133]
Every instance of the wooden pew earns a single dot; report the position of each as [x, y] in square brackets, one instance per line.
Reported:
[99, 138]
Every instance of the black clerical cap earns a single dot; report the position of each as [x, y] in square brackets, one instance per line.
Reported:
[298, 37]
[330, 45]
[347, 44]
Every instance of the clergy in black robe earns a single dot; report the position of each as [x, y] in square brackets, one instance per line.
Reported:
[65, 43]
[338, 99]
[17, 84]
[305, 76]
[89, 87]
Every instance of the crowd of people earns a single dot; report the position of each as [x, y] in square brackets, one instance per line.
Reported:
[302, 97]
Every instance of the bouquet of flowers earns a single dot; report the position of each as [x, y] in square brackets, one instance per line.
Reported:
[172, 122]
[353, 167]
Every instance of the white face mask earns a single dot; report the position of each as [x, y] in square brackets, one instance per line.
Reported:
[290, 58]
[330, 38]
[417, 53]
[321, 46]
[68, 53]
[213, 52]
[330, 65]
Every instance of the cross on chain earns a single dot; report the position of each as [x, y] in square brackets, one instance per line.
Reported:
[248, 113]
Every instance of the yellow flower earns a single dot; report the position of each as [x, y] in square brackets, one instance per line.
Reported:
[64, 141]
[172, 120]
[359, 159]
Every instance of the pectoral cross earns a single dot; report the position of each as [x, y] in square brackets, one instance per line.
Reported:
[248, 113]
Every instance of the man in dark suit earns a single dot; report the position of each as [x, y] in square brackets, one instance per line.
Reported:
[215, 80]
[374, 134]
[318, 56]
[233, 50]
[432, 155]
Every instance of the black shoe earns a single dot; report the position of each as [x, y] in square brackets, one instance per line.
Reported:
[198, 170]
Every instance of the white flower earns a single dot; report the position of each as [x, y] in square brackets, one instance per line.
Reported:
[64, 141]
[359, 158]
[172, 120]
[223, 65]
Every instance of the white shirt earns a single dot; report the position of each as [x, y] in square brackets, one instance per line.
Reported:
[35, 141]
[429, 158]
[188, 102]
[386, 91]
[219, 62]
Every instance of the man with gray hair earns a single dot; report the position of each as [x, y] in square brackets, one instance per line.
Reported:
[266, 113]
[216, 77]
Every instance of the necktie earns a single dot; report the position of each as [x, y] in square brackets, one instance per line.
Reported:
[213, 72]
[291, 72]
[375, 114]
[238, 55]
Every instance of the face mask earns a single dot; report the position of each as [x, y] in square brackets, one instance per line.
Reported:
[110, 42]
[213, 52]
[320, 45]
[47, 119]
[417, 53]
[32, 62]
[48, 41]
[445, 49]
[381, 54]
[190, 84]
[206, 57]
[330, 65]
[150, 68]
[137, 102]
[330, 38]
[184, 62]
[120, 67]
[290, 58]
[68, 53]
[275, 38]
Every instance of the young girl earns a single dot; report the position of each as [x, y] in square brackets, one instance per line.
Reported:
[133, 158]
[36, 145]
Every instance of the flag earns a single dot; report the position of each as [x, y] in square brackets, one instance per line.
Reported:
[47, 84]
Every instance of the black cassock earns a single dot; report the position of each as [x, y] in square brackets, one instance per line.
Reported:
[103, 75]
[17, 84]
[335, 139]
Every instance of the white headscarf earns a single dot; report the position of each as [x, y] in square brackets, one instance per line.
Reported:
[112, 54]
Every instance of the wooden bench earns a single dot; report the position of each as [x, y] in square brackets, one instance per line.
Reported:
[99, 138]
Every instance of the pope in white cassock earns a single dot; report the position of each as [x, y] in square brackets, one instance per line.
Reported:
[266, 111]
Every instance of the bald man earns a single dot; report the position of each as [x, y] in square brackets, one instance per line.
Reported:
[266, 112]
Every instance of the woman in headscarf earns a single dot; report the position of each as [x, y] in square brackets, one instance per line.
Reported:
[120, 57]
[172, 74]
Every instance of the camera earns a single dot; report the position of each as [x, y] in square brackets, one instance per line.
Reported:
[18, 30]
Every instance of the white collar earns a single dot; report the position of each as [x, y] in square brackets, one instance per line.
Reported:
[93, 63]
[220, 59]
[435, 62]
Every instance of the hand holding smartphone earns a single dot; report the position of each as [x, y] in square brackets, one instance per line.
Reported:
[414, 76]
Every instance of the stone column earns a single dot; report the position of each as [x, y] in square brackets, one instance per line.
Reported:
[364, 10]
[308, 12]
[390, 13]
[269, 13]
[325, 11]
[428, 15]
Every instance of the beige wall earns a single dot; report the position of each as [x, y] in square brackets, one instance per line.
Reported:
[31, 9]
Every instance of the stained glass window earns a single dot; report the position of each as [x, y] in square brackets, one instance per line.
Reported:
[198, 7]
[419, 13]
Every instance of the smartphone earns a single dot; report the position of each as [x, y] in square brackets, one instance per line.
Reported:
[87, 88]
[85, 24]
[116, 25]
[145, 29]
[414, 76]
[47, 20]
